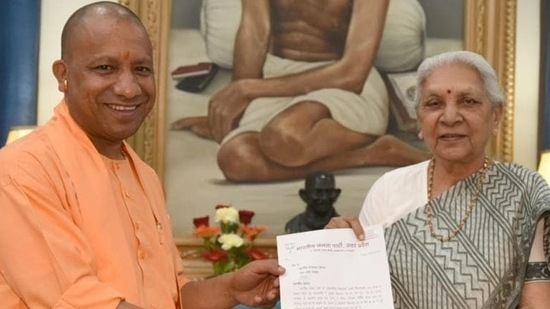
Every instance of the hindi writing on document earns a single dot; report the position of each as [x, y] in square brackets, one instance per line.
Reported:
[332, 269]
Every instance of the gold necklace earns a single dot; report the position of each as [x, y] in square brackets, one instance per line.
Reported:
[473, 202]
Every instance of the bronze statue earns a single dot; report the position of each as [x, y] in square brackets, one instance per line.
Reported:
[319, 194]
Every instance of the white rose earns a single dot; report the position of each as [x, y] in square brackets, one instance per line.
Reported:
[227, 215]
[229, 241]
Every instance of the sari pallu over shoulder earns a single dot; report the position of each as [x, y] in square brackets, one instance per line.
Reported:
[485, 265]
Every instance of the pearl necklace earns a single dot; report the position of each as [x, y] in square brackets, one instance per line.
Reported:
[473, 202]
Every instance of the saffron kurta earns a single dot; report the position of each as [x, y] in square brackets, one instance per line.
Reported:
[78, 230]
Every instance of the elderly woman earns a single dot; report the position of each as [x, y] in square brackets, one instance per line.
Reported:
[462, 230]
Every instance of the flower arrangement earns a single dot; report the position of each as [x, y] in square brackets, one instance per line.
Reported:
[229, 245]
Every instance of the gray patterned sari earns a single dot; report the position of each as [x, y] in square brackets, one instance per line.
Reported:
[486, 265]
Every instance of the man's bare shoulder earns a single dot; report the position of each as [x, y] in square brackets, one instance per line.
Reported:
[310, 28]
[305, 8]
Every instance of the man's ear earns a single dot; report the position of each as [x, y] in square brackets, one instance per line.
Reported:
[337, 191]
[60, 72]
[303, 195]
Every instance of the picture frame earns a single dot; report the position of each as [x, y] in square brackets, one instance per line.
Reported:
[544, 101]
[489, 29]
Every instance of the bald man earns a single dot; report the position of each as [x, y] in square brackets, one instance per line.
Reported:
[83, 220]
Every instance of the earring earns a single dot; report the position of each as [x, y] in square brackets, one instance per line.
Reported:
[65, 85]
[420, 135]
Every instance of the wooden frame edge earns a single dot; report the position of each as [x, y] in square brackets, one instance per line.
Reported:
[149, 142]
[490, 30]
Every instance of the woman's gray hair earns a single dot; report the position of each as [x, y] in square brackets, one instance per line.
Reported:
[477, 62]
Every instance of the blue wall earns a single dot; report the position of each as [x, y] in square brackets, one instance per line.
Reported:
[19, 37]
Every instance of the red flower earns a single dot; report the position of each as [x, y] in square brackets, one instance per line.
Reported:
[255, 253]
[200, 221]
[215, 255]
[221, 206]
[245, 216]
